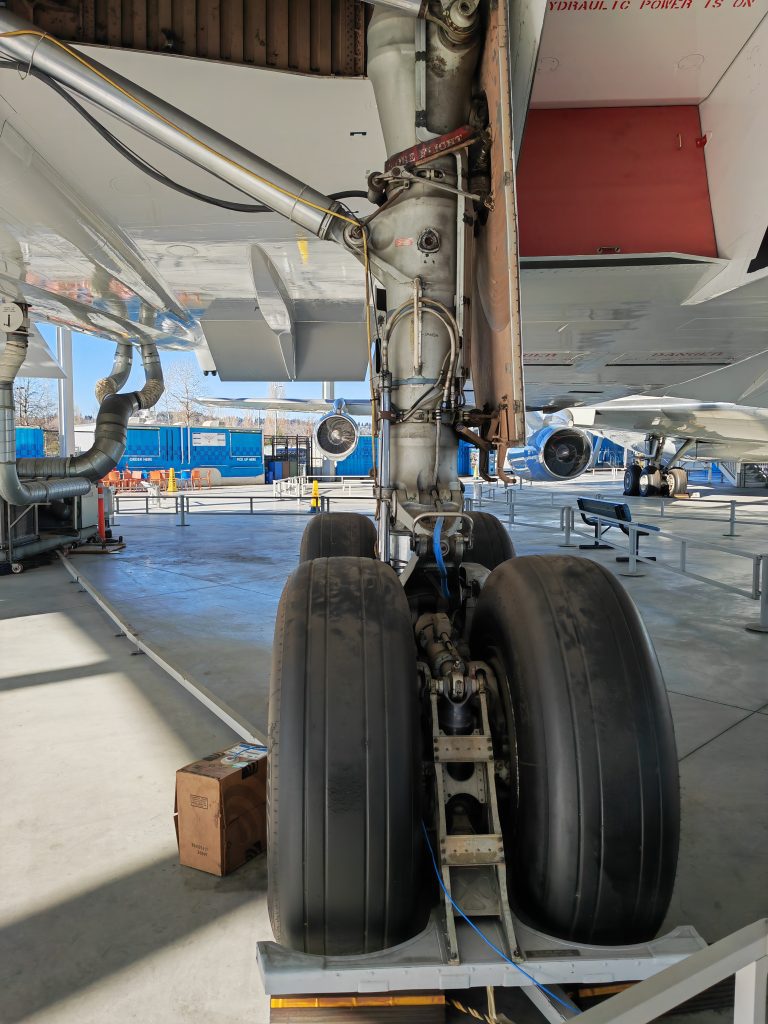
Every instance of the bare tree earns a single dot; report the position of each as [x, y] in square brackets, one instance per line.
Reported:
[184, 388]
[35, 403]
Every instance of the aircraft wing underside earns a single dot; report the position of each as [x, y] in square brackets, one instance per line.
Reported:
[93, 242]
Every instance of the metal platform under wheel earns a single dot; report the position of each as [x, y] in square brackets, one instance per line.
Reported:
[423, 962]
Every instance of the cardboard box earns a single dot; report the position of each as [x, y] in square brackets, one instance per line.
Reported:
[221, 809]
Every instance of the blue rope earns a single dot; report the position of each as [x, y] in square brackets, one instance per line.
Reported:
[438, 551]
[486, 940]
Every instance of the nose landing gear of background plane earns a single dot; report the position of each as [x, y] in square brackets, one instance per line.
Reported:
[521, 718]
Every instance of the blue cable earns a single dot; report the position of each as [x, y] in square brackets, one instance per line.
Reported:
[485, 939]
[438, 551]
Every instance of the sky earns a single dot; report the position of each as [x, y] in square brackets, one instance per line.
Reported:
[92, 360]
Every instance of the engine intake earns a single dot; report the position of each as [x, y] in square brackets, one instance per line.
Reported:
[553, 453]
[337, 435]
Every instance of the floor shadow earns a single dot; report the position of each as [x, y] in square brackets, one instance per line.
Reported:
[54, 953]
[62, 675]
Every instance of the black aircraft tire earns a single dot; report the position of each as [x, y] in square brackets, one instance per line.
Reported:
[650, 483]
[592, 814]
[335, 534]
[344, 791]
[632, 480]
[677, 481]
[491, 544]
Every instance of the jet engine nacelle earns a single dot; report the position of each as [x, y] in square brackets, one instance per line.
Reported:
[336, 435]
[552, 453]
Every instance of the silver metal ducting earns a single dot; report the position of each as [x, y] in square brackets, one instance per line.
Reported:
[111, 430]
[119, 374]
[11, 488]
[172, 128]
[31, 492]
[35, 481]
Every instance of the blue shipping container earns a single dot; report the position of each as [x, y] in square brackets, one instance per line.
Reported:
[359, 462]
[30, 443]
[233, 452]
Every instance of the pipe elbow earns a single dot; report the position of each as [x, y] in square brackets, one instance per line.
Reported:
[119, 374]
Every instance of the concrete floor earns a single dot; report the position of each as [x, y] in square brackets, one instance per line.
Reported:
[99, 922]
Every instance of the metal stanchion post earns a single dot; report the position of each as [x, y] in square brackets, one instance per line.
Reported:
[634, 547]
[633, 550]
[567, 522]
[761, 626]
[511, 516]
[732, 522]
[182, 509]
[683, 554]
[146, 503]
[250, 502]
[661, 506]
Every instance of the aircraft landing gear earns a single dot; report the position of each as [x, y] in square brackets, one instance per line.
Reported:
[569, 807]
[654, 478]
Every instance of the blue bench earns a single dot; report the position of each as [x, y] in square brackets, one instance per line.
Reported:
[611, 513]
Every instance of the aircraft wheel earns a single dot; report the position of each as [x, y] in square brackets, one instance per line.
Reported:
[335, 534]
[677, 481]
[344, 791]
[491, 544]
[17, 567]
[650, 483]
[591, 814]
[632, 479]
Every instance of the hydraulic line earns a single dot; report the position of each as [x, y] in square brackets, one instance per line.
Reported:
[172, 128]
[143, 165]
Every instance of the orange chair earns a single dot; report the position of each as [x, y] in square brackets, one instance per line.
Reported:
[114, 479]
[137, 479]
[156, 477]
[196, 479]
